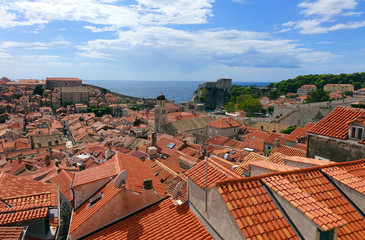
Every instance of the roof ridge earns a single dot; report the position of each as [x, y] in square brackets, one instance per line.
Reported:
[309, 206]
[223, 169]
[310, 169]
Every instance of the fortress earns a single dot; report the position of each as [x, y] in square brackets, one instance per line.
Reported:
[222, 83]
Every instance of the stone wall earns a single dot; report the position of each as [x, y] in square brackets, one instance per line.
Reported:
[334, 149]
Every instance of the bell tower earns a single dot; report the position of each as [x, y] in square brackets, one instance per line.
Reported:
[160, 113]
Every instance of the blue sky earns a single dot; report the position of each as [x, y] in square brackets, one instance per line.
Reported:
[193, 40]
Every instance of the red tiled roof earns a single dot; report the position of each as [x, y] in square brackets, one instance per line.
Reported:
[11, 233]
[95, 174]
[335, 124]
[24, 208]
[317, 212]
[256, 134]
[137, 172]
[84, 211]
[253, 210]
[218, 140]
[224, 123]
[64, 179]
[289, 151]
[272, 166]
[216, 172]
[163, 142]
[160, 221]
[314, 183]
[252, 157]
[280, 136]
[17, 186]
[351, 175]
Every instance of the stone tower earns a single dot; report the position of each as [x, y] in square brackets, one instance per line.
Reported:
[160, 113]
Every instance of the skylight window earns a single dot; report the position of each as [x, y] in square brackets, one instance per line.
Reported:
[171, 145]
[95, 199]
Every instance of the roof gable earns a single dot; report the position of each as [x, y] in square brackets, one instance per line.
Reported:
[335, 124]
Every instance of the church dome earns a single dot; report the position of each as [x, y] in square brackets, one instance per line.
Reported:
[161, 97]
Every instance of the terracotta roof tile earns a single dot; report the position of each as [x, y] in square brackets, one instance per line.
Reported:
[17, 186]
[160, 221]
[11, 233]
[64, 179]
[224, 123]
[218, 140]
[289, 151]
[335, 124]
[164, 142]
[84, 211]
[137, 172]
[272, 166]
[94, 174]
[314, 183]
[252, 157]
[24, 208]
[313, 209]
[347, 175]
[216, 172]
[254, 211]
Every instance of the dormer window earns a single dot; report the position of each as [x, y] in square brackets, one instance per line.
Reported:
[356, 133]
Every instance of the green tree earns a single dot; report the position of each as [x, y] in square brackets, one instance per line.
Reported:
[318, 96]
[273, 95]
[251, 105]
[230, 107]
[242, 98]
[38, 90]
[289, 129]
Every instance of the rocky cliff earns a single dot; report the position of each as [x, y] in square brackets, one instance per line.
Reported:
[211, 97]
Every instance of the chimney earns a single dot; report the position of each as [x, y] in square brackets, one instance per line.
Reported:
[147, 184]
[276, 143]
[47, 160]
[50, 152]
[82, 166]
[20, 158]
[154, 139]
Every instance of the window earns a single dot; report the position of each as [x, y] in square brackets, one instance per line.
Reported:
[356, 133]
[95, 199]
[171, 145]
[359, 133]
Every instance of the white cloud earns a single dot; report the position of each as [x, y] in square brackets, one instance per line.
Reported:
[39, 58]
[35, 45]
[327, 8]
[4, 56]
[105, 12]
[323, 16]
[222, 47]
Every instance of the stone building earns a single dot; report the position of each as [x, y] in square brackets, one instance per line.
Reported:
[306, 90]
[339, 137]
[226, 127]
[360, 93]
[160, 113]
[338, 87]
[75, 95]
[222, 83]
[52, 83]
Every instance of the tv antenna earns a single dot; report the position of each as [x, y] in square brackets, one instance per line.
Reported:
[121, 179]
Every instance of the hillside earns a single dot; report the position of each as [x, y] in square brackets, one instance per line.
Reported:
[211, 97]
[291, 85]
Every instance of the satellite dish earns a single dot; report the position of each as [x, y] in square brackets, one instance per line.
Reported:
[177, 190]
[121, 179]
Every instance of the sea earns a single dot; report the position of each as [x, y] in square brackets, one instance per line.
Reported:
[180, 91]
